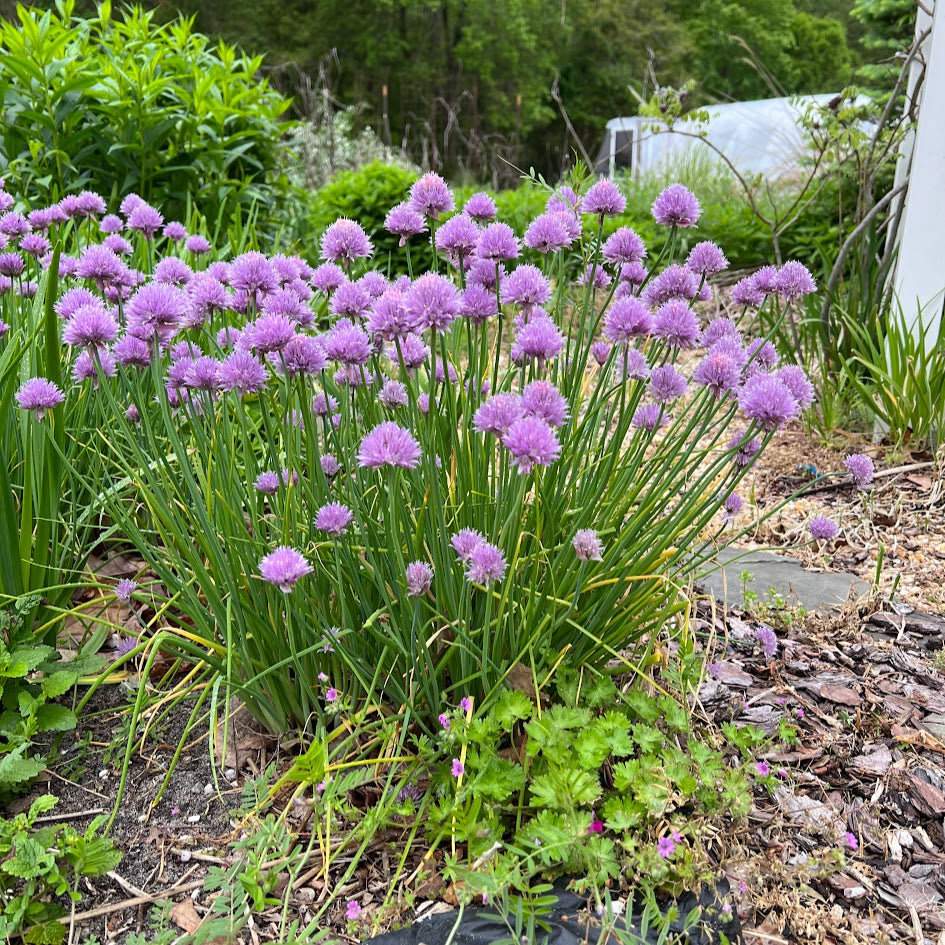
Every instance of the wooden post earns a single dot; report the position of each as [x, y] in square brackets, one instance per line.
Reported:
[920, 274]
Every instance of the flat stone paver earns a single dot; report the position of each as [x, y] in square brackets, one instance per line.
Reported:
[815, 591]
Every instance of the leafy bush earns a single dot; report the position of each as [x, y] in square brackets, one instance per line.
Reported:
[122, 104]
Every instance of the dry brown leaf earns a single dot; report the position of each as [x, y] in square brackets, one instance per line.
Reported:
[916, 737]
[184, 916]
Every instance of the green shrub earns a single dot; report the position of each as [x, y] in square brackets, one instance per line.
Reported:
[124, 104]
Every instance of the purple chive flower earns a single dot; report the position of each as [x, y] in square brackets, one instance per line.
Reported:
[4, 327]
[347, 343]
[131, 351]
[419, 578]
[90, 326]
[478, 303]
[457, 768]
[267, 482]
[87, 368]
[328, 277]
[676, 206]
[344, 241]
[457, 236]
[746, 450]
[539, 339]
[674, 282]
[393, 394]
[430, 196]
[627, 318]
[145, 219]
[706, 259]
[632, 365]
[794, 281]
[719, 329]
[798, 384]
[600, 351]
[823, 529]
[587, 546]
[677, 323]
[766, 280]
[302, 355]
[35, 244]
[111, 224]
[124, 589]
[480, 207]
[719, 370]
[532, 443]
[388, 317]
[525, 286]
[483, 273]
[241, 372]
[497, 414]
[486, 564]
[351, 300]
[173, 270]
[732, 506]
[197, 244]
[666, 847]
[91, 204]
[604, 199]
[14, 224]
[860, 468]
[118, 245]
[594, 275]
[268, 333]
[497, 242]
[767, 400]
[284, 567]
[465, 542]
[404, 221]
[632, 274]
[333, 518]
[623, 247]
[432, 302]
[548, 233]
[175, 231]
[543, 400]
[666, 384]
[746, 293]
[100, 264]
[389, 445]
[330, 465]
[39, 395]
[762, 356]
[649, 417]
[253, 273]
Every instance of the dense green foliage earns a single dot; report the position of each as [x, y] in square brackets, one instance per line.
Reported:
[471, 83]
[121, 104]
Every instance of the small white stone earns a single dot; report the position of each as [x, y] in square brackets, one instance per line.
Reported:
[185, 856]
[230, 774]
[103, 774]
[208, 789]
[193, 819]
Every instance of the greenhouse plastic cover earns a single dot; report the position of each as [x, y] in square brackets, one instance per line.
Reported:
[761, 137]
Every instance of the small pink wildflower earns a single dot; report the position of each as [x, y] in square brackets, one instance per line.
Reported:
[457, 769]
[465, 704]
[444, 721]
[353, 910]
[331, 695]
[666, 847]
[763, 768]
[597, 826]
[850, 840]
